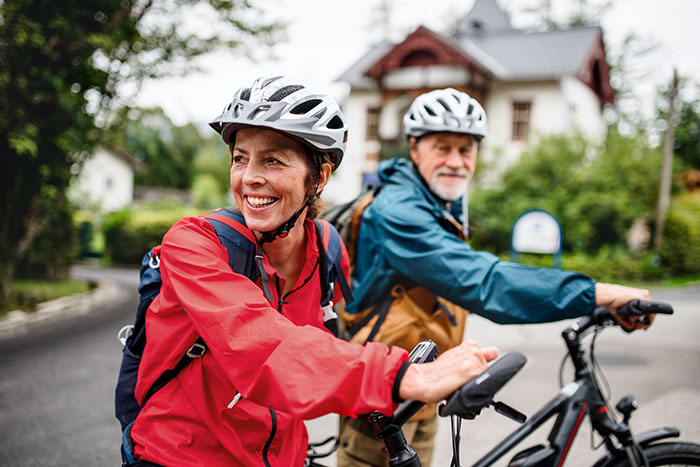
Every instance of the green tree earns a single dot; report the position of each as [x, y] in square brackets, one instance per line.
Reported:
[167, 150]
[541, 14]
[63, 67]
[211, 165]
[597, 193]
[687, 134]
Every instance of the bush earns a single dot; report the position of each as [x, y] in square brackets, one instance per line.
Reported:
[54, 248]
[130, 234]
[596, 193]
[207, 193]
[607, 265]
[680, 251]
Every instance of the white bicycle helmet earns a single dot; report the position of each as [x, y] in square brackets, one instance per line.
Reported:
[445, 110]
[276, 103]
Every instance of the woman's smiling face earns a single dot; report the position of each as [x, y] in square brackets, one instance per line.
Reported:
[268, 177]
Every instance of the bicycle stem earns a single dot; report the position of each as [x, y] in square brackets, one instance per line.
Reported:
[400, 453]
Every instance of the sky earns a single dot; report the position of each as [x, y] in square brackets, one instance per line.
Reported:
[325, 37]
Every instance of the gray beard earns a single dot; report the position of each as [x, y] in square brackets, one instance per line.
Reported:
[452, 193]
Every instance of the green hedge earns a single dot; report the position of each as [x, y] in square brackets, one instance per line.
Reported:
[130, 234]
[54, 248]
[608, 265]
[680, 251]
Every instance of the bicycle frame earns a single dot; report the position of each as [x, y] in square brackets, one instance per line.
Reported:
[570, 406]
[575, 400]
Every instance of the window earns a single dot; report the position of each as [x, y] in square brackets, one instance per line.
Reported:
[373, 124]
[521, 120]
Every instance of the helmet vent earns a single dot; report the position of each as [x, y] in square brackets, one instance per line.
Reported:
[444, 104]
[284, 92]
[305, 106]
[245, 94]
[335, 123]
[430, 111]
[261, 109]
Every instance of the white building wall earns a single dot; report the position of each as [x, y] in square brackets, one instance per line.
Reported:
[434, 76]
[562, 106]
[557, 106]
[547, 115]
[106, 180]
[584, 108]
[391, 118]
[346, 182]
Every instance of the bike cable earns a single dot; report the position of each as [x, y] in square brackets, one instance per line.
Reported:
[598, 374]
[456, 424]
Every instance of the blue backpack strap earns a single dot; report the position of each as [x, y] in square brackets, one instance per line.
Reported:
[240, 243]
[330, 244]
[238, 239]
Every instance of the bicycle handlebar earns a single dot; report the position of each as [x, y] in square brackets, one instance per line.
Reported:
[478, 392]
[601, 315]
[644, 307]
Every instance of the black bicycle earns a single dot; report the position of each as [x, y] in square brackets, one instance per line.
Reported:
[579, 398]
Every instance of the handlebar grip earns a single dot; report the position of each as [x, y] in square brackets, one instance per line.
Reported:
[478, 392]
[645, 307]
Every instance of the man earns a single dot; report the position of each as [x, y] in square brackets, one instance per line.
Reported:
[412, 255]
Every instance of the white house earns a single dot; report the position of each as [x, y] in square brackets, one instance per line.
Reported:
[106, 180]
[529, 83]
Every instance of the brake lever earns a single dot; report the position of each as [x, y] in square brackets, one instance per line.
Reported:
[508, 411]
[502, 408]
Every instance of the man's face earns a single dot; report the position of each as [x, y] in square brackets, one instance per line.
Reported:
[446, 161]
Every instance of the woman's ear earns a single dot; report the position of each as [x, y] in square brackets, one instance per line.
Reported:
[326, 170]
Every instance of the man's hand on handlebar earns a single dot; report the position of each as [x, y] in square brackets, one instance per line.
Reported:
[613, 296]
[432, 382]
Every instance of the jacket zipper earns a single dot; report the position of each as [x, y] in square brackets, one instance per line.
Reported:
[280, 298]
[273, 430]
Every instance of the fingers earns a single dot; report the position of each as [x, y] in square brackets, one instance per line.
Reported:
[434, 381]
[490, 353]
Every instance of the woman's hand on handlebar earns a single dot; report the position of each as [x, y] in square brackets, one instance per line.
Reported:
[432, 382]
[613, 296]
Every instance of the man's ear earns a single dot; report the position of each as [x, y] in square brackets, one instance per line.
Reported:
[413, 148]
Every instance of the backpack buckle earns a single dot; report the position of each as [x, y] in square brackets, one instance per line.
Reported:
[124, 333]
[196, 351]
[154, 262]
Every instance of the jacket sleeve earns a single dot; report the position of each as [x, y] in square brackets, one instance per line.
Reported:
[503, 292]
[268, 359]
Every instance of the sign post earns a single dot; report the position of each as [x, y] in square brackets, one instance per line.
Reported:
[536, 231]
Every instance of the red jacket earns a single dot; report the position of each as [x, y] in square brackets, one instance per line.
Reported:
[279, 357]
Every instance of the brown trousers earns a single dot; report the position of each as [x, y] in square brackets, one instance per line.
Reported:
[359, 448]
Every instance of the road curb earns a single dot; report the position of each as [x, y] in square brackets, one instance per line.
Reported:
[19, 322]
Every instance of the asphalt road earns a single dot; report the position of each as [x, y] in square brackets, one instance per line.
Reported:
[56, 390]
[57, 386]
[661, 367]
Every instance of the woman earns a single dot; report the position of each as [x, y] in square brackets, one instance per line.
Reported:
[270, 363]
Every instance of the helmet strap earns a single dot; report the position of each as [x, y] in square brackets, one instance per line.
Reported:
[282, 231]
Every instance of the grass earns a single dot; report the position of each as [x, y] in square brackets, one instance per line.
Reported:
[27, 294]
[672, 282]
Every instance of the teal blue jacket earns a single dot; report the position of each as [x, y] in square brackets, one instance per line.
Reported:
[404, 239]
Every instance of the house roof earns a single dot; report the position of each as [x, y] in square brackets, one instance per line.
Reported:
[485, 38]
[355, 75]
[133, 162]
[422, 47]
[485, 16]
[523, 56]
